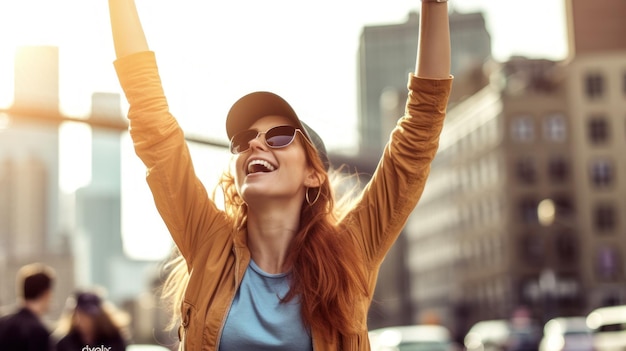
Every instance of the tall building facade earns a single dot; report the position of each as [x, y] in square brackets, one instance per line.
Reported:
[477, 247]
[541, 133]
[97, 237]
[597, 93]
[30, 229]
[78, 233]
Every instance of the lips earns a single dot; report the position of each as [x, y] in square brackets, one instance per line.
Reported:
[259, 166]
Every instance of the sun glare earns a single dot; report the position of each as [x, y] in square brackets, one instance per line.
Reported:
[6, 76]
[74, 156]
[21, 23]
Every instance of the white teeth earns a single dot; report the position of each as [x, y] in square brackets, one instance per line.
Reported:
[260, 163]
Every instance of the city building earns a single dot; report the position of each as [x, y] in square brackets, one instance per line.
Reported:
[78, 232]
[98, 212]
[30, 225]
[597, 97]
[477, 248]
[481, 241]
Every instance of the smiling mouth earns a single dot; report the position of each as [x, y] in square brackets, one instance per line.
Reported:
[260, 166]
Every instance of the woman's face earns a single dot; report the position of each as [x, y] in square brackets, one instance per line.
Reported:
[287, 175]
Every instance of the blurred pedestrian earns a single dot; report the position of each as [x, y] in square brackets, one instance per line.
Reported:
[24, 329]
[280, 267]
[525, 332]
[90, 324]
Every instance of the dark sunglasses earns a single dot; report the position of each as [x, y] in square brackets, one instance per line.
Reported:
[275, 137]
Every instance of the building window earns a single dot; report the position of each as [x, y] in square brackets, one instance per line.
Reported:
[523, 129]
[601, 173]
[566, 247]
[554, 128]
[528, 210]
[564, 205]
[598, 130]
[608, 263]
[604, 217]
[594, 85]
[532, 249]
[526, 171]
[558, 169]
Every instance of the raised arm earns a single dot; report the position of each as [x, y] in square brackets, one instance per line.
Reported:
[180, 197]
[128, 35]
[433, 52]
[398, 182]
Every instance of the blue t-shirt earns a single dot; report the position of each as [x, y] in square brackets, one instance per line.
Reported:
[257, 319]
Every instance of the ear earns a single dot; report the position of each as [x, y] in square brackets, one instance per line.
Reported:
[313, 179]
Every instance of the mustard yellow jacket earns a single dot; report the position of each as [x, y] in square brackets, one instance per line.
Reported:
[216, 254]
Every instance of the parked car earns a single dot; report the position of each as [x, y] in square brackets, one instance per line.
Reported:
[412, 338]
[566, 334]
[609, 328]
[489, 335]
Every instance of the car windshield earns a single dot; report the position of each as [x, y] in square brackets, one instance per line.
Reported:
[424, 346]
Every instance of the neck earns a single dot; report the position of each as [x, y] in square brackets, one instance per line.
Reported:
[270, 231]
[35, 306]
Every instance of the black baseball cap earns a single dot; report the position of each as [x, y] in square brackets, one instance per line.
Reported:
[88, 302]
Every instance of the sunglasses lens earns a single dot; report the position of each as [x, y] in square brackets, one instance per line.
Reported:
[276, 137]
[280, 136]
[241, 141]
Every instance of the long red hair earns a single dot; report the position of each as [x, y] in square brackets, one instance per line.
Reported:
[327, 270]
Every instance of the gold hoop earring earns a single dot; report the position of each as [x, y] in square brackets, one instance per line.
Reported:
[308, 200]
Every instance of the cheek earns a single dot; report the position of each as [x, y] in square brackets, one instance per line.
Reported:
[299, 163]
[237, 172]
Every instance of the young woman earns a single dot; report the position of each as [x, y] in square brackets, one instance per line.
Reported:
[90, 322]
[280, 268]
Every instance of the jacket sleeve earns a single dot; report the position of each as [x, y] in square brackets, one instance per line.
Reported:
[179, 195]
[398, 181]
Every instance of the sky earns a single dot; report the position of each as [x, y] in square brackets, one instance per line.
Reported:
[211, 53]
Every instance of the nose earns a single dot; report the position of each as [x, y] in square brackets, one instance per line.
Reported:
[257, 143]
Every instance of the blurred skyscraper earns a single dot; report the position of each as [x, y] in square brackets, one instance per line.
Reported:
[77, 233]
[98, 239]
[386, 56]
[30, 229]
